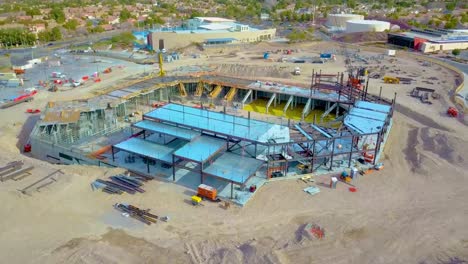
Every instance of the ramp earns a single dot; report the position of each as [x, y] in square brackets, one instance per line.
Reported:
[182, 91]
[328, 111]
[306, 110]
[249, 93]
[287, 104]
[230, 95]
[216, 91]
[200, 88]
[273, 97]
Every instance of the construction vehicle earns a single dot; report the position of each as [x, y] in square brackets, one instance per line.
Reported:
[356, 77]
[208, 192]
[19, 71]
[196, 200]
[452, 112]
[297, 71]
[389, 79]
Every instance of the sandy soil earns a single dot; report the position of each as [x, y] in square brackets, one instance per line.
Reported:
[414, 211]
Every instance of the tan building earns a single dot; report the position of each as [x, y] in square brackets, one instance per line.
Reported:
[209, 31]
[442, 46]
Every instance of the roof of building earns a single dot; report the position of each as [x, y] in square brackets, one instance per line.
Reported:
[436, 36]
[367, 22]
[232, 167]
[220, 123]
[215, 19]
[367, 117]
[201, 149]
[165, 129]
[147, 148]
[217, 26]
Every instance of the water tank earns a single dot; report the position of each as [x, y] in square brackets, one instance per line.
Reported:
[339, 20]
[366, 26]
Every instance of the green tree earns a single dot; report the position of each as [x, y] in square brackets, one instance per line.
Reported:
[456, 52]
[16, 37]
[125, 14]
[57, 14]
[33, 12]
[56, 34]
[124, 38]
[196, 13]
[71, 24]
[450, 6]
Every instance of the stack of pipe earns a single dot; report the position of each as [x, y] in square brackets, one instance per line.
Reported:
[119, 184]
[142, 215]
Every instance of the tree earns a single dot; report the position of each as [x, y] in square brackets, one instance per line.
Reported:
[125, 14]
[456, 52]
[16, 37]
[50, 35]
[33, 12]
[450, 6]
[56, 34]
[124, 38]
[71, 24]
[196, 13]
[57, 14]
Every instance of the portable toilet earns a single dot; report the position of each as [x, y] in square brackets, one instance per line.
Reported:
[266, 55]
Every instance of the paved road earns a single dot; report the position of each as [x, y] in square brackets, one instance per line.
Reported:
[464, 68]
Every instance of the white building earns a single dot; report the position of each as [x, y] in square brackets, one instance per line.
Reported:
[338, 21]
[353, 26]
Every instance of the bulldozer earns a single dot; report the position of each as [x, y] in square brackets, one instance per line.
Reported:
[389, 79]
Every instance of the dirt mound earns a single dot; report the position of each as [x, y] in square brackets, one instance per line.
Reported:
[114, 247]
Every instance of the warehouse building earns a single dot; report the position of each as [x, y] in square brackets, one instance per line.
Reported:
[430, 40]
[207, 31]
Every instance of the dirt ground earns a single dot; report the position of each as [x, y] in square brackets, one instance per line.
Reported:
[414, 211]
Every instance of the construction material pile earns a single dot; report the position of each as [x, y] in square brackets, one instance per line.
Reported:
[119, 184]
[142, 215]
[15, 171]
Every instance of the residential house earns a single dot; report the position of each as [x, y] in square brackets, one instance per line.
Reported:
[36, 28]
[23, 18]
[264, 16]
[107, 27]
[37, 17]
[112, 20]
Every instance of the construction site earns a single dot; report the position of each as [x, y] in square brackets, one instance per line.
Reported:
[329, 128]
[272, 153]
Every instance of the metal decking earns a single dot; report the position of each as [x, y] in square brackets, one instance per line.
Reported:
[169, 130]
[147, 149]
[201, 149]
[218, 123]
[233, 168]
[366, 117]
